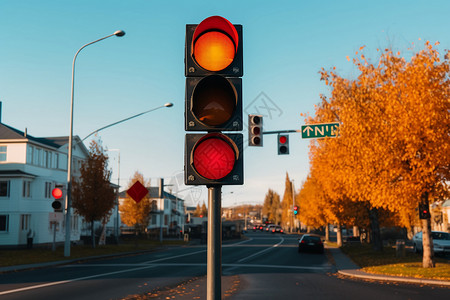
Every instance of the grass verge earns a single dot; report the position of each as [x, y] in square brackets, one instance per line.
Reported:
[387, 262]
[42, 255]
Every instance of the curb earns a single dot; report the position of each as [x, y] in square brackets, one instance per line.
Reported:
[363, 275]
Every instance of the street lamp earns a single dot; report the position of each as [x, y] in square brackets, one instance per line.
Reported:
[117, 33]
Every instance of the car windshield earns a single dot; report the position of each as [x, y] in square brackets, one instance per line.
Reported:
[440, 236]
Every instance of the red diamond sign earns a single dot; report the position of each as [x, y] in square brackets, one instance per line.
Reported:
[137, 191]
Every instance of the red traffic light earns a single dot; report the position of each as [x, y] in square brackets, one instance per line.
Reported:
[214, 158]
[57, 193]
[283, 139]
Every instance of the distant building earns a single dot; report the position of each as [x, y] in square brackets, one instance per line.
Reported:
[167, 213]
[30, 168]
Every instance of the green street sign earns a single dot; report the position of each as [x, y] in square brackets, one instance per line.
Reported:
[317, 131]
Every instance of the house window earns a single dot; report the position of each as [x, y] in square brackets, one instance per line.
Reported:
[48, 159]
[56, 161]
[4, 222]
[153, 220]
[26, 191]
[37, 157]
[48, 190]
[4, 188]
[25, 222]
[2, 153]
[30, 154]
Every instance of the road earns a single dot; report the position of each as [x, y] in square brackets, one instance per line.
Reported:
[268, 267]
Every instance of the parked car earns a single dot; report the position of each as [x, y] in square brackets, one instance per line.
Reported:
[441, 242]
[277, 229]
[310, 243]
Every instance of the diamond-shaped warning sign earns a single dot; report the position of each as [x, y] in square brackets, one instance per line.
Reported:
[137, 191]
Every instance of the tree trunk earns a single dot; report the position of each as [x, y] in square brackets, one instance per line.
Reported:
[339, 235]
[93, 234]
[327, 232]
[375, 226]
[427, 240]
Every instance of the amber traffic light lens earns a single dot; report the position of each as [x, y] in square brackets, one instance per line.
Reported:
[214, 51]
[213, 157]
[214, 100]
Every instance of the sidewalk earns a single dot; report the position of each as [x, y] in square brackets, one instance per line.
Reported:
[347, 267]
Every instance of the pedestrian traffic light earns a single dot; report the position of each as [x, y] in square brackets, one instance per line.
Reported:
[283, 144]
[295, 210]
[424, 211]
[57, 194]
[255, 130]
[213, 65]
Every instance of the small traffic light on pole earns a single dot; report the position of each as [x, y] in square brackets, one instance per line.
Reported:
[255, 130]
[295, 210]
[213, 67]
[57, 194]
[424, 211]
[283, 144]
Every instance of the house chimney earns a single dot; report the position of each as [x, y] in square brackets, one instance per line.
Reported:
[25, 132]
[0, 111]
[161, 188]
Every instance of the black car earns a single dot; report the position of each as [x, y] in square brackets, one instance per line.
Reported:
[310, 243]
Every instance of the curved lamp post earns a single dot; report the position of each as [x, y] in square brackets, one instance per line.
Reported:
[118, 33]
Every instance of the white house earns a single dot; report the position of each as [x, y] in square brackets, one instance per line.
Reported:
[168, 212]
[30, 168]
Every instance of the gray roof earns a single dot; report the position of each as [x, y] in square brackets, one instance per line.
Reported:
[10, 133]
[15, 173]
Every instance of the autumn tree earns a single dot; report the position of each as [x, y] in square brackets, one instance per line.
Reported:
[391, 152]
[93, 196]
[286, 204]
[134, 214]
[272, 207]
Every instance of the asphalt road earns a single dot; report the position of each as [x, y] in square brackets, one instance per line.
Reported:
[267, 266]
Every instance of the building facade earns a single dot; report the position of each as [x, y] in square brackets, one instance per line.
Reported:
[30, 168]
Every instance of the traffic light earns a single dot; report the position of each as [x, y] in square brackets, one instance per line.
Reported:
[57, 194]
[283, 144]
[255, 130]
[424, 211]
[213, 67]
[295, 210]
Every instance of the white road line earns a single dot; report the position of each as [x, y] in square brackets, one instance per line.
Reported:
[262, 251]
[72, 280]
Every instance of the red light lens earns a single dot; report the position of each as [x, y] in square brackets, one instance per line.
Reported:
[213, 157]
[57, 193]
[283, 139]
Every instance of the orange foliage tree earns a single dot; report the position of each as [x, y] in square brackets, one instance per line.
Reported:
[393, 151]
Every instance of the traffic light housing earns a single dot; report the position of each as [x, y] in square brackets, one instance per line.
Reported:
[283, 144]
[255, 130]
[213, 67]
[57, 194]
[424, 211]
[295, 210]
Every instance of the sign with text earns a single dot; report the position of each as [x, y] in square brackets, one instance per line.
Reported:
[316, 131]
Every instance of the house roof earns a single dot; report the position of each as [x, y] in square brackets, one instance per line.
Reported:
[10, 133]
[154, 193]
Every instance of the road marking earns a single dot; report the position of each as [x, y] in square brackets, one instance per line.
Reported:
[262, 251]
[72, 280]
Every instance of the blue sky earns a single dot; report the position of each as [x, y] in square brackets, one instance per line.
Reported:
[285, 45]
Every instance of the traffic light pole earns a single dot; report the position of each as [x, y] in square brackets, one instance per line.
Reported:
[281, 131]
[214, 260]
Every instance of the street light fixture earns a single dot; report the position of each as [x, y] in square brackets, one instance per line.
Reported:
[117, 33]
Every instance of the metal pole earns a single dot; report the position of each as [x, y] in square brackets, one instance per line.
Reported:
[293, 204]
[214, 261]
[69, 154]
[162, 208]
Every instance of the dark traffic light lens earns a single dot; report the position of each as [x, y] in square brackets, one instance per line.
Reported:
[256, 120]
[256, 130]
[283, 149]
[56, 204]
[214, 100]
[256, 140]
[214, 157]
